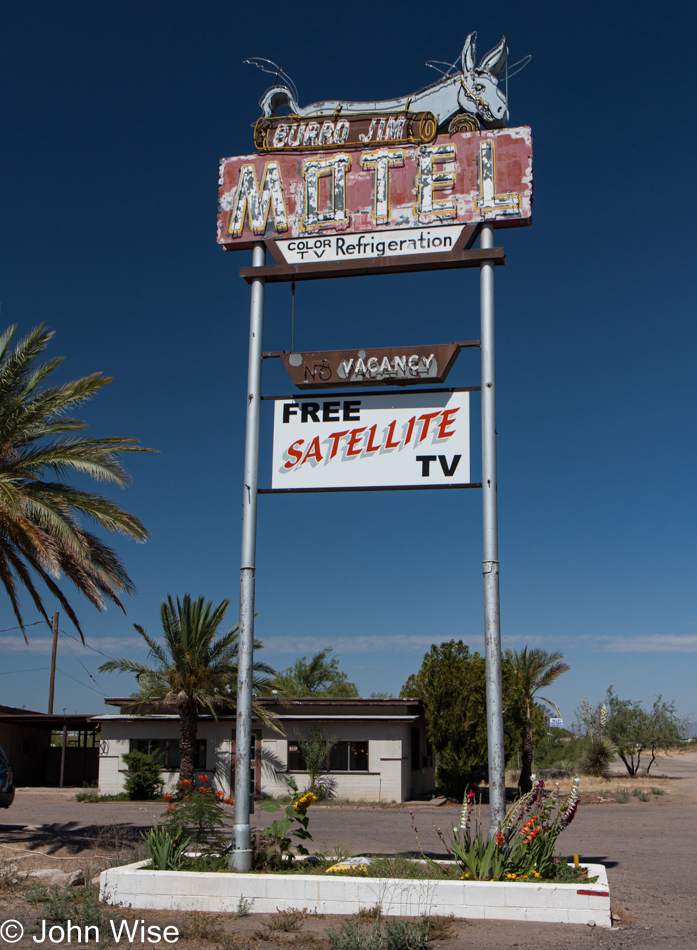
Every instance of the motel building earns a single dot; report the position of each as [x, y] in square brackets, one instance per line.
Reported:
[381, 752]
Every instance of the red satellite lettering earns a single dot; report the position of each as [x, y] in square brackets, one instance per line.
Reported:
[427, 416]
[389, 444]
[335, 436]
[445, 422]
[313, 452]
[354, 439]
[371, 447]
[295, 456]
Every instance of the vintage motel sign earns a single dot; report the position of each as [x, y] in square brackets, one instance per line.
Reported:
[376, 210]
[340, 189]
[395, 440]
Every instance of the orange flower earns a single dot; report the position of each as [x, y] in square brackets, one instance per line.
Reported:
[167, 798]
[184, 781]
[203, 778]
[499, 839]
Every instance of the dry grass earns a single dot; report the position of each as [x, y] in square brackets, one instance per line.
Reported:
[368, 913]
[441, 928]
[285, 921]
[615, 784]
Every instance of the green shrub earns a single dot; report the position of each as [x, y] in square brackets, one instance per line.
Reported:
[166, 847]
[621, 797]
[553, 753]
[143, 781]
[597, 755]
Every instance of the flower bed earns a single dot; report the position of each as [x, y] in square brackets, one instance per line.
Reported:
[137, 887]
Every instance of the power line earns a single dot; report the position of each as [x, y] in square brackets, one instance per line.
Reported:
[99, 688]
[35, 624]
[86, 645]
[33, 669]
[86, 685]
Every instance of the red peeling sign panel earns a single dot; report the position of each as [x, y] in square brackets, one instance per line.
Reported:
[459, 179]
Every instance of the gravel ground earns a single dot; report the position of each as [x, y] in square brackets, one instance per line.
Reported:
[648, 848]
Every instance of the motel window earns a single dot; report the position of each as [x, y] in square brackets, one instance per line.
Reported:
[343, 757]
[169, 752]
[349, 757]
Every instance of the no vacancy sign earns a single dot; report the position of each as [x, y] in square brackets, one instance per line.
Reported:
[394, 440]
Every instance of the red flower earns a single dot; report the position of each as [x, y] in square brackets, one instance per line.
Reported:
[167, 798]
[184, 781]
[203, 778]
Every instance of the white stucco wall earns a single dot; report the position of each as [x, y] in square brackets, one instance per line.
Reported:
[389, 777]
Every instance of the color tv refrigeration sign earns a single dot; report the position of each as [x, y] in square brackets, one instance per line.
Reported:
[393, 440]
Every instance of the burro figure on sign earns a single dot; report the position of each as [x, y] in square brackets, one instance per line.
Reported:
[470, 92]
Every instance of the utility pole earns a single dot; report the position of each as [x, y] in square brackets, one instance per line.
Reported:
[490, 558]
[241, 851]
[53, 664]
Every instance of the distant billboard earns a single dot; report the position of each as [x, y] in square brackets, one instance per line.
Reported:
[394, 440]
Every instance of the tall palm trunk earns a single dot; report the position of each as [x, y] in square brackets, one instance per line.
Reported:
[188, 736]
[525, 780]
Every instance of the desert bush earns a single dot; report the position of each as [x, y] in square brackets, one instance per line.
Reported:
[598, 753]
[143, 781]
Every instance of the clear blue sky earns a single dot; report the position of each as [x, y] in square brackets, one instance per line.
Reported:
[114, 117]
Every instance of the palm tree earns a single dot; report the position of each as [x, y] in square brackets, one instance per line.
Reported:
[41, 531]
[535, 670]
[196, 670]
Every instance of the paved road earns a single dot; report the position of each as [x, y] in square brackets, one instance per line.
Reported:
[649, 849]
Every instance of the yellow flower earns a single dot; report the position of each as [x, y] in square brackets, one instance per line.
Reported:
[304, 802]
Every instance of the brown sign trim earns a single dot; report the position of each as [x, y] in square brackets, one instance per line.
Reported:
[376, 265]
[415, 128]
[417, 364]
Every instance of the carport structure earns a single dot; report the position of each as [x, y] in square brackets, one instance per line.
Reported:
[50, 751]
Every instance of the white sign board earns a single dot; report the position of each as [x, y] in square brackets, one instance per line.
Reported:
[391, 440]
[556, 723]
[397, 243]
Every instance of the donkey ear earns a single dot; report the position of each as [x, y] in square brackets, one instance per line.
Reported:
[468, 52]
[495, 60]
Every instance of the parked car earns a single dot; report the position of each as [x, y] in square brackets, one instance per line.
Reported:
[7, 789]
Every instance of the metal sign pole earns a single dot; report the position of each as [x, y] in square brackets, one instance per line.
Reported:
[490, 554]
[241, 853]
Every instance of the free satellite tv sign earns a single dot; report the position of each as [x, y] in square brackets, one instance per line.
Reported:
[394, 440]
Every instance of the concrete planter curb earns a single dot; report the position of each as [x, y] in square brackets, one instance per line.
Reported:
[220, 893]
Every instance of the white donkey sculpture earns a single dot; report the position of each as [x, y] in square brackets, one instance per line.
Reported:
[474, 92]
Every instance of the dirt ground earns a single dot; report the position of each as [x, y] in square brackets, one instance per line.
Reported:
[648, 848]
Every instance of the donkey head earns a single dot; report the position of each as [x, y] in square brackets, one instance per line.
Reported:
[479, 92]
